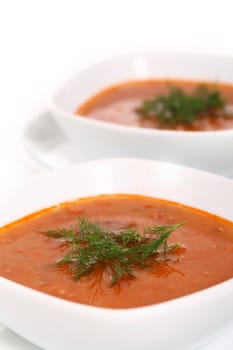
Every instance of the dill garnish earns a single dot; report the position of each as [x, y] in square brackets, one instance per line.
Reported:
[120, 253]
[181, 107]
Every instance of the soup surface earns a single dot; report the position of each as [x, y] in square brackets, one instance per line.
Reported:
[119, 104]
[205, 258]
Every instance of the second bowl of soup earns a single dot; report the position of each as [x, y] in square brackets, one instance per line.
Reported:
[171, 107]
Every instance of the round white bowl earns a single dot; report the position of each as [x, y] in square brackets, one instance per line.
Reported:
[180, 324]
[209, 150]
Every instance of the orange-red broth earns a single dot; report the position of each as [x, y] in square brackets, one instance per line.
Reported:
[28, 256]
[118, 104]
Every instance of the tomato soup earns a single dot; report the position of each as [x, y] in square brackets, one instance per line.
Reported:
[205, 256]
[119, 104]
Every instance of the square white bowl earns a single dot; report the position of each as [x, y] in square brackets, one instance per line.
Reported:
[209, 150]
[180, 324]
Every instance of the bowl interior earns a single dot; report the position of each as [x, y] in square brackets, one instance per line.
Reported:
[176, 183]
[142, 66]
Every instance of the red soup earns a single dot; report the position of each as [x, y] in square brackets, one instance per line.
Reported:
[188, 105]
[118, 251]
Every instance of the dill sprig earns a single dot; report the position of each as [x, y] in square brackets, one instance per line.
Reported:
[93, 247]
[181, 107]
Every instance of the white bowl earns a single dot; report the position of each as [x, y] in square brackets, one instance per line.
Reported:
[180, 324]
[209, 150]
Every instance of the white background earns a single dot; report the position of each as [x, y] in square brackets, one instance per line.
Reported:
[43, 42]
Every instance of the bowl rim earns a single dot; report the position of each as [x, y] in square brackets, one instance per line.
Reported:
[55, 110]
[203, 295]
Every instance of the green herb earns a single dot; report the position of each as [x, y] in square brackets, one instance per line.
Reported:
[181, 107]
[120, 253]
